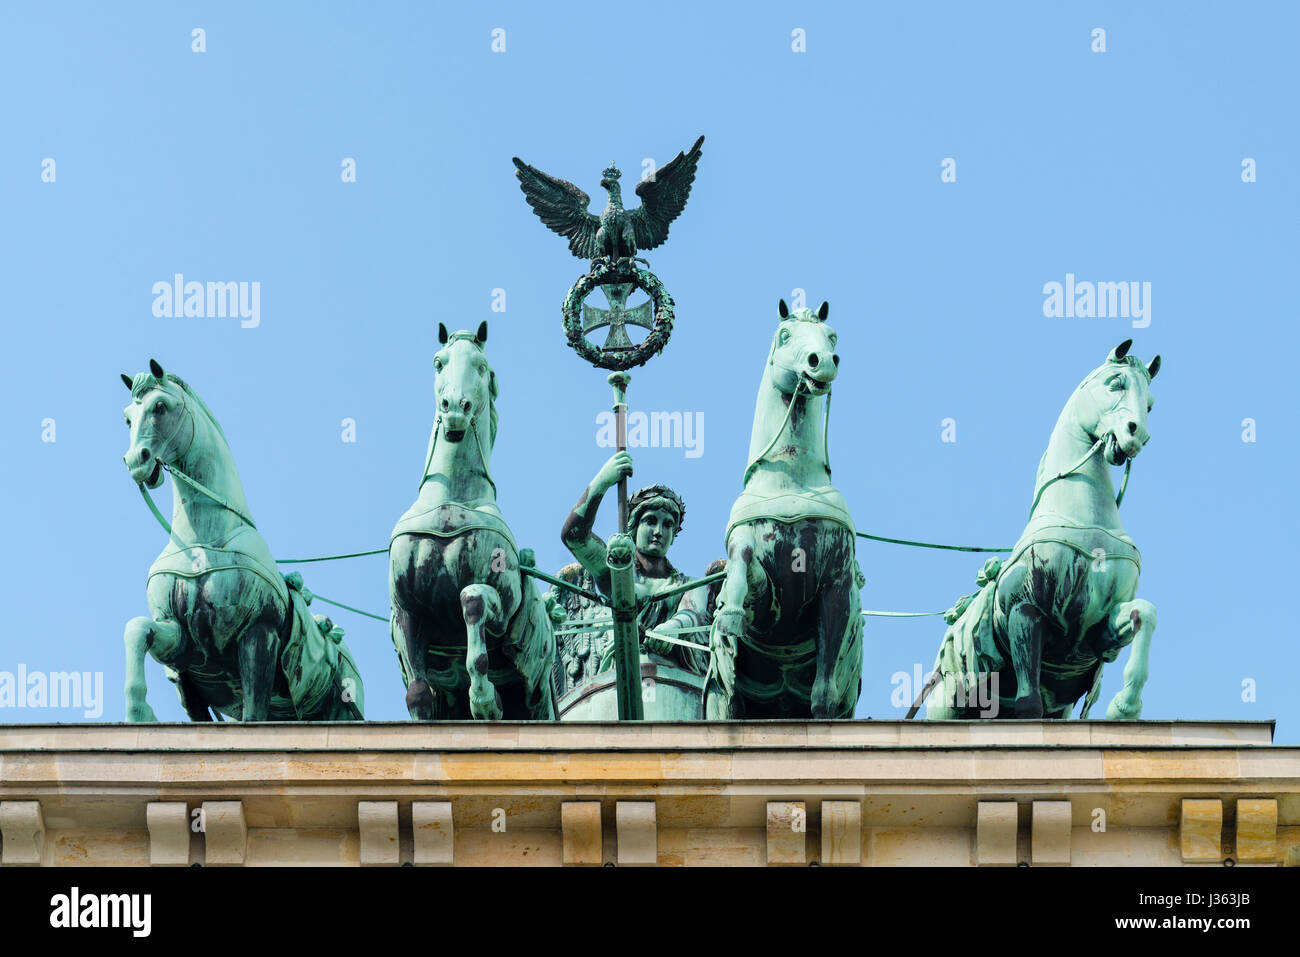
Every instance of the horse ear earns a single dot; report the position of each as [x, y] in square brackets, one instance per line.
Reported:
[824, 311]
[1154, 367]
[127, 380]
[481, 335]
[442, 334]
[1121, 350]
[782, 309]
[156, 369]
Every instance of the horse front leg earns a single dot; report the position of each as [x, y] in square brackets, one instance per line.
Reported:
[1135, 622]
[729, 622]
[143, 635]
[481, 606]
[258, 651]
[1025, 624]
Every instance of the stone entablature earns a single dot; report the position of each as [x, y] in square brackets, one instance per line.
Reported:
[874, 793]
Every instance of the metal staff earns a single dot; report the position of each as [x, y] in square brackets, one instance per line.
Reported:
[620, 558]
[620, 380]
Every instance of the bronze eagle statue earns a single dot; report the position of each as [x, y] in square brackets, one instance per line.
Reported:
[616, 233]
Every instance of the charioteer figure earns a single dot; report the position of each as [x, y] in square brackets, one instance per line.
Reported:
[655, 516]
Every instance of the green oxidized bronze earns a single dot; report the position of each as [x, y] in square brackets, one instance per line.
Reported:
[232, 633]
[666, 622]
[473, 635]
[611, 241]
[617, 281]
[1032, 642]
[787, 631]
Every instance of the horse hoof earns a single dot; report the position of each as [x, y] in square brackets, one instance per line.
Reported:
[141, 714]
[1123, 709]
[1029, 707]
[485, 704]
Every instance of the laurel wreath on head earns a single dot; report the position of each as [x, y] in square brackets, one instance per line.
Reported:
[619, 359]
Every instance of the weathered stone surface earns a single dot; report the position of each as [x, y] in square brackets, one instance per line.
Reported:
[918, 785]
[435, 836]
[1050, 838]
[638, 841]
[580, 822]
[23, 830]
[1256, 830]
[995, 832]
[841, 832]
[380, 841]
[787, 832]
[169, 833]
[225, 832]
[1201, 830]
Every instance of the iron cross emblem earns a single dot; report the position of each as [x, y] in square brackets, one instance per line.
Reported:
[617, 317]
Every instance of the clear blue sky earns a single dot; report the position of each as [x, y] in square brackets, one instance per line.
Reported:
[821, 171]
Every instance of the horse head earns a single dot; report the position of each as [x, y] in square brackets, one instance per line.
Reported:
[1113, 403]
[465, 385]
[803, 351]
[161, 423]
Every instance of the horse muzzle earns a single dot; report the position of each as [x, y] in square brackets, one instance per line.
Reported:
[817, 385]
[1118, 452]
[146, 469]
[454, 426]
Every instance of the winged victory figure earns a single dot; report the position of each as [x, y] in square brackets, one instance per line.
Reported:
[617, 233]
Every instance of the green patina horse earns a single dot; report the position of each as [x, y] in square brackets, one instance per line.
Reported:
[473, 635]
[1033, 640]
[787, 632]
[232, 633]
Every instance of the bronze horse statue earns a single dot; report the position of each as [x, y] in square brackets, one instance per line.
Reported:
[787, 631]
[232, 633]
[1064, 603]
[473, 635]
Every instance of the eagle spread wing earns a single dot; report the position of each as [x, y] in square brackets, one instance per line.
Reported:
[562, 207]
[664, 198]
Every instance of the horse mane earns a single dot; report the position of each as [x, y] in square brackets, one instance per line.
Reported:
[1129, 360]
[1107, 366]
[144, 381]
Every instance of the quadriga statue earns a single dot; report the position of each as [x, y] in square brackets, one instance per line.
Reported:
[233, 634]
[787, 630]
[1033, 640]
[473, 635]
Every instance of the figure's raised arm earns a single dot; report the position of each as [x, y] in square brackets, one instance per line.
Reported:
[577, 533]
